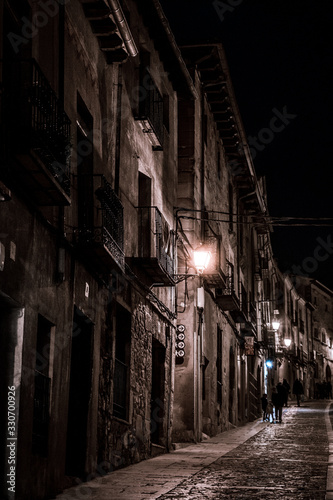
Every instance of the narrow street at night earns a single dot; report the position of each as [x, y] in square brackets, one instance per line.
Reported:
[260, 461]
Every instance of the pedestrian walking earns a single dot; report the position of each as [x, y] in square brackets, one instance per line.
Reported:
[287, 390]
[269, 411]
[298, 390]
[264, 403]
[275, 401]
[280, 400]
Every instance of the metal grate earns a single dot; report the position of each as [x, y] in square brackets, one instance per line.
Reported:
[156, 240]
[151, 105]
[38, 119]
[112, 230]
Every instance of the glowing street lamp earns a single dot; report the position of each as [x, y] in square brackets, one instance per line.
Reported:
[287, 342]
[201, 258]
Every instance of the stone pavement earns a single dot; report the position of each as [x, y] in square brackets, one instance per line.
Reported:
[292, 460]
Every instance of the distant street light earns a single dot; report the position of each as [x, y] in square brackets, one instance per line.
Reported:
[287, 342]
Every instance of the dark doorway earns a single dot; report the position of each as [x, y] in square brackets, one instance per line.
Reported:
[157, 393]
[231, 384]
[79, 394]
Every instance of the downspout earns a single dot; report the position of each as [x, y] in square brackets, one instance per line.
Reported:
[61, 86]
[202, 168]
[118, 130]
[123, 27]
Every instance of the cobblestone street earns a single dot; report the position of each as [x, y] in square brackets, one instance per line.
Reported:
[283, 461]
[259, 461]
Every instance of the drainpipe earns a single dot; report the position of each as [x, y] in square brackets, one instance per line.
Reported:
[123, 27]
[118, 130]
[202, 167]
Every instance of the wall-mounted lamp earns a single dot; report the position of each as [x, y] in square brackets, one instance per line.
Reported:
[201, 258]
[287, 342]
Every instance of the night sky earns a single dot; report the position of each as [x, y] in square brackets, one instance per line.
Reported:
[280, 58]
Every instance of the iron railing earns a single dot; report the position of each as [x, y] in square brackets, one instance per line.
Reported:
[229, 288]
[156, 240]
[37, 119]
[103, 225]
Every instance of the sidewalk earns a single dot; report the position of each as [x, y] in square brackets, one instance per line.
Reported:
[152, 478]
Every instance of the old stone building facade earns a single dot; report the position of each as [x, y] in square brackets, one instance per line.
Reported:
[122, 154]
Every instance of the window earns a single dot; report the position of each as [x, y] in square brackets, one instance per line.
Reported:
[151, 112]
[122, 363]
[323, 336]
[42, 389]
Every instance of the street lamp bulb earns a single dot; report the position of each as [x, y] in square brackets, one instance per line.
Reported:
[201, 258]
[287, 342]
[275, 324]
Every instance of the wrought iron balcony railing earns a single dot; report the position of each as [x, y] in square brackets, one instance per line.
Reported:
[156, 253]
[37, 133]
[226, 297]
[101, 231]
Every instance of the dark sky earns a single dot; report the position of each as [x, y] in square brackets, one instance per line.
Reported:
[280, 58]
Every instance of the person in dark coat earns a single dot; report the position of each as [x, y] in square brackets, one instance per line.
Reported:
[287, 390]
[275, 402]
[280, 400]
[264, 402]
[298, 390]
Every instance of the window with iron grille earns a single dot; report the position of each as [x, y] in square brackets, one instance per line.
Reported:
[151, 105]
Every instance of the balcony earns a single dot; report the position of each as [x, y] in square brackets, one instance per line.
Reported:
[37, 135]
[214, 276]
[226, 298]
[241, 315]
[100, 235]
[156, 247]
